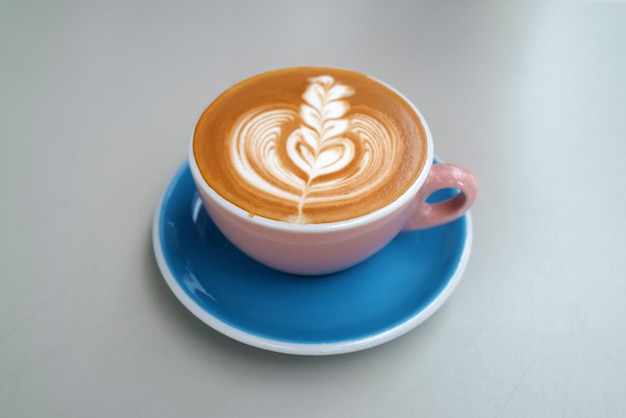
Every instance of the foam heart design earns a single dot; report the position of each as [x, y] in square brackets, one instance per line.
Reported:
[325, 142]
[331, 158]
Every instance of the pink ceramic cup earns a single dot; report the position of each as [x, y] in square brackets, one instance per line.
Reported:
[314, 249]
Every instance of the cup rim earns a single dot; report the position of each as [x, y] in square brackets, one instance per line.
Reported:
[409, 194]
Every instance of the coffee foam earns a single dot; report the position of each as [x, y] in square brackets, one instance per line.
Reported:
[310, 145]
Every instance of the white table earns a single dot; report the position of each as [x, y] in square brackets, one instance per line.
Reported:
[97, 100]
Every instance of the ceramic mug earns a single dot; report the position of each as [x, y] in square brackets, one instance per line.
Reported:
[327, 247]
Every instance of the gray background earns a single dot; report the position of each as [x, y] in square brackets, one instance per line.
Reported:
[97, 100]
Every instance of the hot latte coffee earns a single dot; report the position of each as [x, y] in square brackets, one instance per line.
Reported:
[310, 145]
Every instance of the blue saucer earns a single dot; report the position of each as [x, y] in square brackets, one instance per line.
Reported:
[367, 305]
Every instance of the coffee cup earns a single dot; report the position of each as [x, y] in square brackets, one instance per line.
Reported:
[312, 170]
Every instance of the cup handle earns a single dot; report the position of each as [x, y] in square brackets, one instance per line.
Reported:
[443, 176]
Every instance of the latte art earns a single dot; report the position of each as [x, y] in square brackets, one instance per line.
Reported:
[310, 146]
[322, 163]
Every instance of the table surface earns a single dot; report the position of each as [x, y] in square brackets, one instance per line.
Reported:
[96, 103]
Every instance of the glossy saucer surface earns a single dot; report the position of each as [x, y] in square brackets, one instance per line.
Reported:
[367, 305]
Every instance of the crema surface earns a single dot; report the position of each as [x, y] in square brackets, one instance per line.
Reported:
[310, 145]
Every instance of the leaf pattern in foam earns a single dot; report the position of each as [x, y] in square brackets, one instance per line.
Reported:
[322, 144]
[317, 147]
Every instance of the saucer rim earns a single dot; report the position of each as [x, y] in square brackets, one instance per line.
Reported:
[308, 349]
